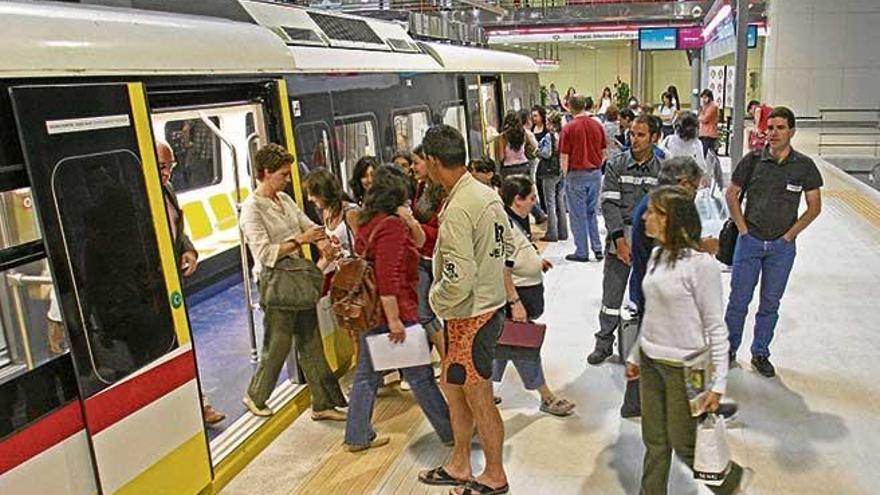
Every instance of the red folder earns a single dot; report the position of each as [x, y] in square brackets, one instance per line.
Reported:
[522, 334]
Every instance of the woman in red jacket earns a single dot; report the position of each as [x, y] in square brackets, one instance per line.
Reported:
[389, 238]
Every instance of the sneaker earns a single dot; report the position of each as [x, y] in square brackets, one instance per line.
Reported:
[599, 354]
[599, 255]
[727, 411]
[405, 386]
[744, 482]
[762, 365]
[256, 410]
[579, 259]
[377, 442]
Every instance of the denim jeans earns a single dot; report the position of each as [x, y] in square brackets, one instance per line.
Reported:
[553, 192]
[772, 262]
[426, 315]
[530, 370]
[359, 429]
[582, 187]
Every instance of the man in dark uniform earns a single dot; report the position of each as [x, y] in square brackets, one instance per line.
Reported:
[628, 177]
[184, 250]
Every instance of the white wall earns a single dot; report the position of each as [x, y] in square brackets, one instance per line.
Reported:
[822, 54]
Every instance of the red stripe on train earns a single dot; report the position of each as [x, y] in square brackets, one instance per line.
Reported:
[40, 436]
[109, 407]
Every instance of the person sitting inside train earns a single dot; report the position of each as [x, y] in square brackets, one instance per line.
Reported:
[184, 250]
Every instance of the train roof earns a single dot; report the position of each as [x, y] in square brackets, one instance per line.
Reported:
[456, 58]
[45, 39]
[53, 39]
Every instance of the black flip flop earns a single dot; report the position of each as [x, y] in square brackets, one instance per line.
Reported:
[439, 477]
[477, 488]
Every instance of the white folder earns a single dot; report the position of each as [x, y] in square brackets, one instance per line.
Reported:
[387, 355]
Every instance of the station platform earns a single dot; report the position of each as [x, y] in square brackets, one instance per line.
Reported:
[810, 430]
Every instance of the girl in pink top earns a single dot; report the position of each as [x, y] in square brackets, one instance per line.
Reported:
[708, 121]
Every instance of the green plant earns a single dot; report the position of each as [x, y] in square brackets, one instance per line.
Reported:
[622, 93]
[544, 95]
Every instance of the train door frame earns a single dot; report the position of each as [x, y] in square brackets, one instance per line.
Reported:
[165, 382]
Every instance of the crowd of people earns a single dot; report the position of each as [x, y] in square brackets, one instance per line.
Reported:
[450, 244]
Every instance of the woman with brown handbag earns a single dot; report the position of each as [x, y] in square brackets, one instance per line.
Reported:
[388, 238]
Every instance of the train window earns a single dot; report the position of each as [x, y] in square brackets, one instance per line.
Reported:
[32, 332]
[18, 219]
[113, 257]
[454, 115]
[313, 145]
[356, 138]
[197, 152]
[489, 107]
[410, 127]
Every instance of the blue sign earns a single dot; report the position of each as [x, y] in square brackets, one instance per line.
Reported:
[752, 36]
[658, 38]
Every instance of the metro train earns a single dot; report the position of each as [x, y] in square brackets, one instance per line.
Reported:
[101, 394]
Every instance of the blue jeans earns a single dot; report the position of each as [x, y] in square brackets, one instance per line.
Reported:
[552, 191]
[772, 262]
[582, 187]
[359, 429]
[426, 315]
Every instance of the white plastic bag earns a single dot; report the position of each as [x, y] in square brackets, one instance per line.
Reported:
[326, 318]
[712, 455]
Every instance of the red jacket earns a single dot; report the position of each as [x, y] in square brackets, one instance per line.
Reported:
[431, 227]
[395, 260]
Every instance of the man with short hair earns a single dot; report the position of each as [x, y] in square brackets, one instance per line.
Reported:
[629, 176]
[774, 179]
[184, 250]
[472, 260]
[581, 153]
[626, 120]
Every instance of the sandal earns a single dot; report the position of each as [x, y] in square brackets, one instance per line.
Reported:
[477, 488]
[439, 477]
[558, 407]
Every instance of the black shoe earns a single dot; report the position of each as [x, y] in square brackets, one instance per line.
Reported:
[762, 365]
[599, 256]
[599, 354]
[574, 257]
[727, 411]
[630, 412]
[731, 360]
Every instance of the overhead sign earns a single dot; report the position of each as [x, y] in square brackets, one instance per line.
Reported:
[522, 36]
[658, 39]
[690, 38]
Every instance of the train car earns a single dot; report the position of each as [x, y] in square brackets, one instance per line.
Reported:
[105, 350]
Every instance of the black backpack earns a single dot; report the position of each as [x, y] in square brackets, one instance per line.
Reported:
[549, 167]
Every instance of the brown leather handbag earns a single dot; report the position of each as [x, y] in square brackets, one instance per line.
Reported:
[353, 292]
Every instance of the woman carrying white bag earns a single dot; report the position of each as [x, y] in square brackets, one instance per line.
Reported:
[683, 313]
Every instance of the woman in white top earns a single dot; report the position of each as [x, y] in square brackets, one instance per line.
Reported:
[276, 228]
[605, 101]
[684, 142]
[519, 197]
[683, 314]
[339, 215]
[668, 114]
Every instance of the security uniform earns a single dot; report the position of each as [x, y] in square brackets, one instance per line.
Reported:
[626, 182]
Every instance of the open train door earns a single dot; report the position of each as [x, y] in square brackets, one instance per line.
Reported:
[90, 157]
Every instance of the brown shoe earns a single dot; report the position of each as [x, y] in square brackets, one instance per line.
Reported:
[212, 416]
[329, 415]
[377, 442]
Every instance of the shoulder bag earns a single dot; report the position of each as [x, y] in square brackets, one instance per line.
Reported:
[729, 232]
[293, 284]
